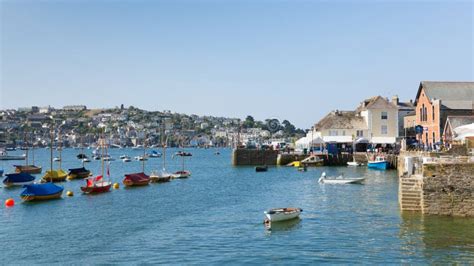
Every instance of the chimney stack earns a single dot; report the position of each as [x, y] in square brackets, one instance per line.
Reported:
[395, 100]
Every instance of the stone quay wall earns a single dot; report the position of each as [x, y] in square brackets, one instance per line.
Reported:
[241, 157]
[448, 189]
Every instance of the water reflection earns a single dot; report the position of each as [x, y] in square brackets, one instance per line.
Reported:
[283, 226]
[438, 237]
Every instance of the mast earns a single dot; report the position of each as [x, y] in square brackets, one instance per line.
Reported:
[102, 144]
[33, 151]
[82, 150]
[144, 149]
[60, 149]
[51, 154]
[27, 151]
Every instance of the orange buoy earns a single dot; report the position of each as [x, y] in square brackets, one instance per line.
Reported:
[10, 202]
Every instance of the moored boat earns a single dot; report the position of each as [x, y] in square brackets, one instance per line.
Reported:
[96, 185]
[340, 180]
[313, 160]
[18, 179]
[4, 156]
[37, 192]
[54, 176]
[282, 214]
[354, 163]
[136, 179]
[78, 173]
[28, 169]
[181, 174]
[160, 177]
[378, 163]
[262, 168]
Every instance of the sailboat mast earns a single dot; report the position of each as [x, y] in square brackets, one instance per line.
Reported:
[51, 153]
[102, 143]
[27, 150]
[33, 151]
[144, 149]
[82, 150]
[60, 150]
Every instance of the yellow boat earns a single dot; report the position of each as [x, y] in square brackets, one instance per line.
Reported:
[54, 176]
[295, 164]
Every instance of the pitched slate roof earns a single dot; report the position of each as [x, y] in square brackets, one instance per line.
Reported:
[341, 120]
[457, 121]
[453, 95]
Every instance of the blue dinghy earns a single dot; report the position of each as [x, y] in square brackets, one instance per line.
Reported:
[379, 163]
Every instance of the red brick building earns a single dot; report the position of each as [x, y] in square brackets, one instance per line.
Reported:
[435, 101]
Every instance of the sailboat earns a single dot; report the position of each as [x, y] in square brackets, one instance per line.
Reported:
[29, 168]
[161, 176]
[82, 172]
[137, 179]
[46, 191]
[182, 173]
[97, 184]
[54, 175]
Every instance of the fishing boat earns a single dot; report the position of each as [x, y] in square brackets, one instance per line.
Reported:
[339, 180]
[37, 192]
[263, 168]
[97, 184]
[282, 214]
[313, 160]
[161, 176]
[378, 163]
[18, 179]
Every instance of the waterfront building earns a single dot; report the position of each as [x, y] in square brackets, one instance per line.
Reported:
[435, 101]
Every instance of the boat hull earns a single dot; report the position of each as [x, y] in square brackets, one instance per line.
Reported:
[13, 184]
[343, 181]
[285, 214]
[78, 175]
[181, 174]
[28, 169]
[353, 164]
[97, 189]
[160, 179]
[42, 197]
[378, 165]
[129, 183]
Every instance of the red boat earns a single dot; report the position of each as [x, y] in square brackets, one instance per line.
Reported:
[137, 179]
[96, 185]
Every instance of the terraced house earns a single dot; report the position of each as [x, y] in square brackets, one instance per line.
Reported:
[435, 101]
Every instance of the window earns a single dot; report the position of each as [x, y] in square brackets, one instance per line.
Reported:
[384, 116]
[360, 133]
[332, 132]
[343, 132]
[434, 140]
[384, 130]
[423, 113]
[432, 112]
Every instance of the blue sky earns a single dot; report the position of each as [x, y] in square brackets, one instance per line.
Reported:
[294, 60]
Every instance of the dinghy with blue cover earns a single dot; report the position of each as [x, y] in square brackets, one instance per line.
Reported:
[18, 179]
[46, 191]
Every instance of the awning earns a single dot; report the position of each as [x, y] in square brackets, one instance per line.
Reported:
[338, 139]
[383, 140]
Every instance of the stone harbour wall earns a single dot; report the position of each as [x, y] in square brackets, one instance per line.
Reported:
[448, 189]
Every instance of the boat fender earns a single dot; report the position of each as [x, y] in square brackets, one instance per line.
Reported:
[69, 193]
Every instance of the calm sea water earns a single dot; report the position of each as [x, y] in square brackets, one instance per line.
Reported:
[216, 217]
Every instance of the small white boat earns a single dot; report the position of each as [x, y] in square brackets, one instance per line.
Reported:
[123, 156]
[282, 214]
[181, 174]
[339, 180]
[354, 163]
[160, 176]
[126, 159]
[56, 159]
[86, 160]
[141, 158]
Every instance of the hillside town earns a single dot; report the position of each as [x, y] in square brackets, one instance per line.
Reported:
[77, 125]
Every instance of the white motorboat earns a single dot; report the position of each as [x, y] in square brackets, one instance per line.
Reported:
[282, 214]
[86, 160]
[181, 174]
[57, 159]
[354, 163]
[126, 159]
[123, 156]
[141, 158]
[340, 180]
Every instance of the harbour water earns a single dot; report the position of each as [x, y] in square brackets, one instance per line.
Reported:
[216, 217]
